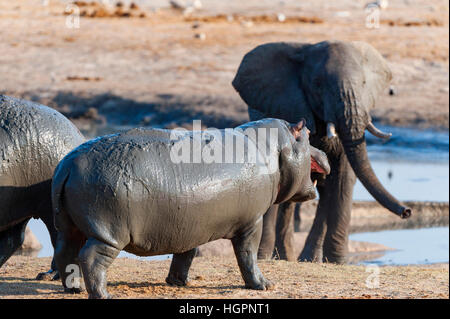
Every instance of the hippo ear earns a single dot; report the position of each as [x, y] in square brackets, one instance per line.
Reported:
[268, 80]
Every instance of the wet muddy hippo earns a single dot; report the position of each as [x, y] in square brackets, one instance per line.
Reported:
[131, 192]
[33, 139]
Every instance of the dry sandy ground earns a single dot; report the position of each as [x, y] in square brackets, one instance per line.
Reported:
[165, 69]
[159, 70]
[220, 278]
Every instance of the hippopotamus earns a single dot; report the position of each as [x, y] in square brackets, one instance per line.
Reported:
[33, 139]
[127, 191]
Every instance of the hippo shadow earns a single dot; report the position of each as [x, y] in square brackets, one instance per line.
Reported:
[165, 285]
[15, 286]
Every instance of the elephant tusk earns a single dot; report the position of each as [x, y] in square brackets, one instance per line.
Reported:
[376, 132]
[331, 130]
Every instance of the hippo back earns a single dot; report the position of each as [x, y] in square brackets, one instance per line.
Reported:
[33, 139]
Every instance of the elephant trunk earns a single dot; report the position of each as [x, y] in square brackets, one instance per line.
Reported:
[357, 155]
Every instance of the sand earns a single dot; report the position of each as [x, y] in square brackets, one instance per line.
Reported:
[160, 71]
[220, 278]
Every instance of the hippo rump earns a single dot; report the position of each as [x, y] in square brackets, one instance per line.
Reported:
[33, 139]
[129, 192]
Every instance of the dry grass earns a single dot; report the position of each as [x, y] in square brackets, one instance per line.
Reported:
[220, 278]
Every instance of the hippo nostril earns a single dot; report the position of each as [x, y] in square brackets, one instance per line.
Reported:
[406, 213]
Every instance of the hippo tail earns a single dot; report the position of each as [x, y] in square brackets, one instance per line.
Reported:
[60, 177]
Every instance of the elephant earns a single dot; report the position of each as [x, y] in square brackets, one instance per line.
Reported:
[333, 85]
[33, 139]
[128, 191]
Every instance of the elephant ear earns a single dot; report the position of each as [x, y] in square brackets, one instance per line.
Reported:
[268, 80]
[376, 72]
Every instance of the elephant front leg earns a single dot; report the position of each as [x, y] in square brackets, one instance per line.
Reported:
[245, 248]
[179, 268]
[328, 237]
[11, 240]
[339, 201]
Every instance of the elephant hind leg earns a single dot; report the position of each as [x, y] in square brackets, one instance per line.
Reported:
[11, 240]
[284, 243]
[95, 258]
[66, 259]
[179, 268]
[267, 243]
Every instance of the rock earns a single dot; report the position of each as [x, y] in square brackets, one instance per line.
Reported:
[31, 245]
[392, 90]
[281, 17]
[178, 4]
[200, 36]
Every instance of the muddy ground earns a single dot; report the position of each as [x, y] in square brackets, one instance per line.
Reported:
[159, 67]
[220, 278]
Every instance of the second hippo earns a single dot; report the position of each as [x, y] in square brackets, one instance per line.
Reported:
[129, 192]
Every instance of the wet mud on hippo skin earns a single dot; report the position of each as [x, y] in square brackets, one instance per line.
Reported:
[33, 139]
[124, 192]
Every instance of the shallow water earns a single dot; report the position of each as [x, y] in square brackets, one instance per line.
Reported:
[412, 246]
[412, 165]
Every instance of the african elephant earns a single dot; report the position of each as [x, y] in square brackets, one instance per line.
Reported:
[333, 85]
[33, 139]
[129, 192]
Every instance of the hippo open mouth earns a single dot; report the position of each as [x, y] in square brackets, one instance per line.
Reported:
[319, 162]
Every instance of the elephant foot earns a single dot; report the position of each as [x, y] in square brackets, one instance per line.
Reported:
[100, 296]
[48, 275]
[73, 291]
[339, 260]
[311, 255]
[262, 284]
[174, 280]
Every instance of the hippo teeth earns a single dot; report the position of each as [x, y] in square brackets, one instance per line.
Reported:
[315, 183]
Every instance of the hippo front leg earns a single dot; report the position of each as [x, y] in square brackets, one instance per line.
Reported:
[11, 240]
[179, 268]
[245, 248]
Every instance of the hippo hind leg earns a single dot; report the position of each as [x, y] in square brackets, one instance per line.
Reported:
[95, 258]
[11, 240]
[245, 248]
[66, 259]
[179, 268]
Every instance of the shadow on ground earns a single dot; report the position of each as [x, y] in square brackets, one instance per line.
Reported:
[103, 113]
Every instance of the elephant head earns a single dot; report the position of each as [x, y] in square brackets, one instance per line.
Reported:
[334, 82]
